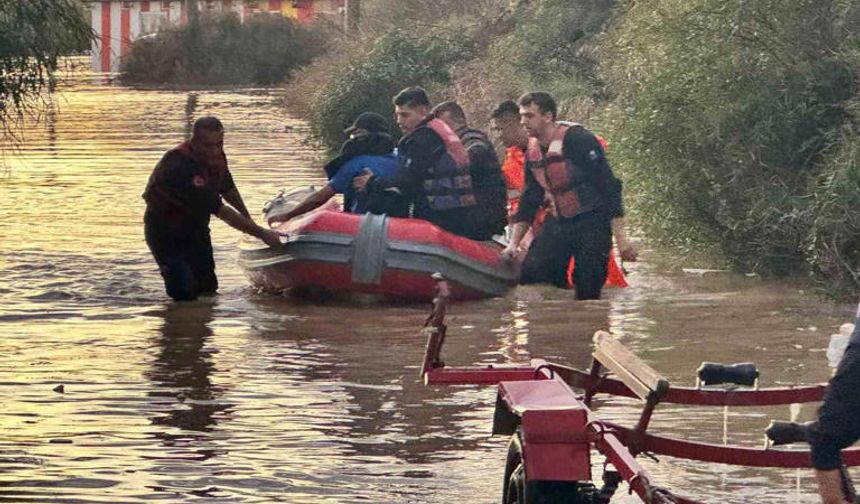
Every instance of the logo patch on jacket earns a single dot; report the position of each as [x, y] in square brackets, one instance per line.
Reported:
[198, 181]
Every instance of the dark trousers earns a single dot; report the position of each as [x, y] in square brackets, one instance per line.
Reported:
[587, 238]
[184, 258]
[469, 222]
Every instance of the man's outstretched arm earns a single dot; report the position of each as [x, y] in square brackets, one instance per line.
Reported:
[238, 221]
[235, 200]
[313, 201]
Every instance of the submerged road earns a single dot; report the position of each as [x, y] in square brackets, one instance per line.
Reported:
[256, 398]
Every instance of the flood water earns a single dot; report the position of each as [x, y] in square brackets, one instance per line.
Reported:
[258, 398]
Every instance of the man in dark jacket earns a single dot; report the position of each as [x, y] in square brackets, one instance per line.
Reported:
[185, 188]
[838, 424]
[434, 177]
[484, 166]
[567, 165]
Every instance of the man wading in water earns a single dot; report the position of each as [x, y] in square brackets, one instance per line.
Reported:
[568, 165]
[185, 188]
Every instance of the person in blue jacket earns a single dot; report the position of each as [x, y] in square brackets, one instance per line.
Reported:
[369, 147]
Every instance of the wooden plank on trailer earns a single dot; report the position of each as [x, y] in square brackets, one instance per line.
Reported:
[641, 378]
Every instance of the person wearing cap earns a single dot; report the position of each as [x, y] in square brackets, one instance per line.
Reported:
[369, 147]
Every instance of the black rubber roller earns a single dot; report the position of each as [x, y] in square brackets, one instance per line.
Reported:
[744, 373]
[788, 432]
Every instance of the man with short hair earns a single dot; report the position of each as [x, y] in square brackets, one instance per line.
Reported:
[185, 188]
[505, 124]
[484, 166]
[567, 165]
[369, 147]
[434, 176]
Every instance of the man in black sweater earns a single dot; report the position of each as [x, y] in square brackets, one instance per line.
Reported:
[567, 166]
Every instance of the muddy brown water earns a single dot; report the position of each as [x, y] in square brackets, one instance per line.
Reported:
[250, 397]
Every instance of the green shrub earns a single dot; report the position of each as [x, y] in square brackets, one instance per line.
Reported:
[371, 75]
[34, 35]
[833, 244]
[733, 105]
[263, 50]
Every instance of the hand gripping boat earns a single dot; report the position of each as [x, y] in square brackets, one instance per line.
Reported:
[329, 250]
[548, 412]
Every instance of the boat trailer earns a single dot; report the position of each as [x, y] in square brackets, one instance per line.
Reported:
[546, 409]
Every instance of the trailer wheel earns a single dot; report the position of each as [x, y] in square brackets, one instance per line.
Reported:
[515, 487]
[512, 462]
[518, 490]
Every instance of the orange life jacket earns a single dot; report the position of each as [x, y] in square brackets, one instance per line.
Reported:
[515, 178]
[569, 192]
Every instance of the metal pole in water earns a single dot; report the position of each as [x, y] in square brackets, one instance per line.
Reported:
[794, 413]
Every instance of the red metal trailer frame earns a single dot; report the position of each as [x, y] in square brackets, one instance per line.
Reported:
[553, 427]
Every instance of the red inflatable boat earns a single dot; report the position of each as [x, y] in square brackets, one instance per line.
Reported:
[329, 250]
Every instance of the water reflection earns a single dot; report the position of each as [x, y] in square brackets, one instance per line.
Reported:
[51, 129]
[187, 403]
[365, 360]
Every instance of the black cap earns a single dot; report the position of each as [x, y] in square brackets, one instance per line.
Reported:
[368, 121]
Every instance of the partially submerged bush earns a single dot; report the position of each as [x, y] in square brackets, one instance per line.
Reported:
[265, 49]
[367, 78]
[723, 113]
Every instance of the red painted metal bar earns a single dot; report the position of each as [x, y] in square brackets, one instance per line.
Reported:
[493, 373]
[489, 375]
[125, 30]
[606, 440]
[104, 39]
[734, 455]
[714, 397]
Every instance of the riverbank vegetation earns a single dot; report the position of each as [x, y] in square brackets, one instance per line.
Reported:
[732, 122]
[263, 50]
[34, 36]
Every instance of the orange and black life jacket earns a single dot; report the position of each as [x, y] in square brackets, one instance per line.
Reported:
[566, 185]
[448, 184]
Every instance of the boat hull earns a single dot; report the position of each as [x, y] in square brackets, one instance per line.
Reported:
[329, 250]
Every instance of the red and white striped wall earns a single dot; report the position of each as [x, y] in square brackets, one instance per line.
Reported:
[117, 23]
